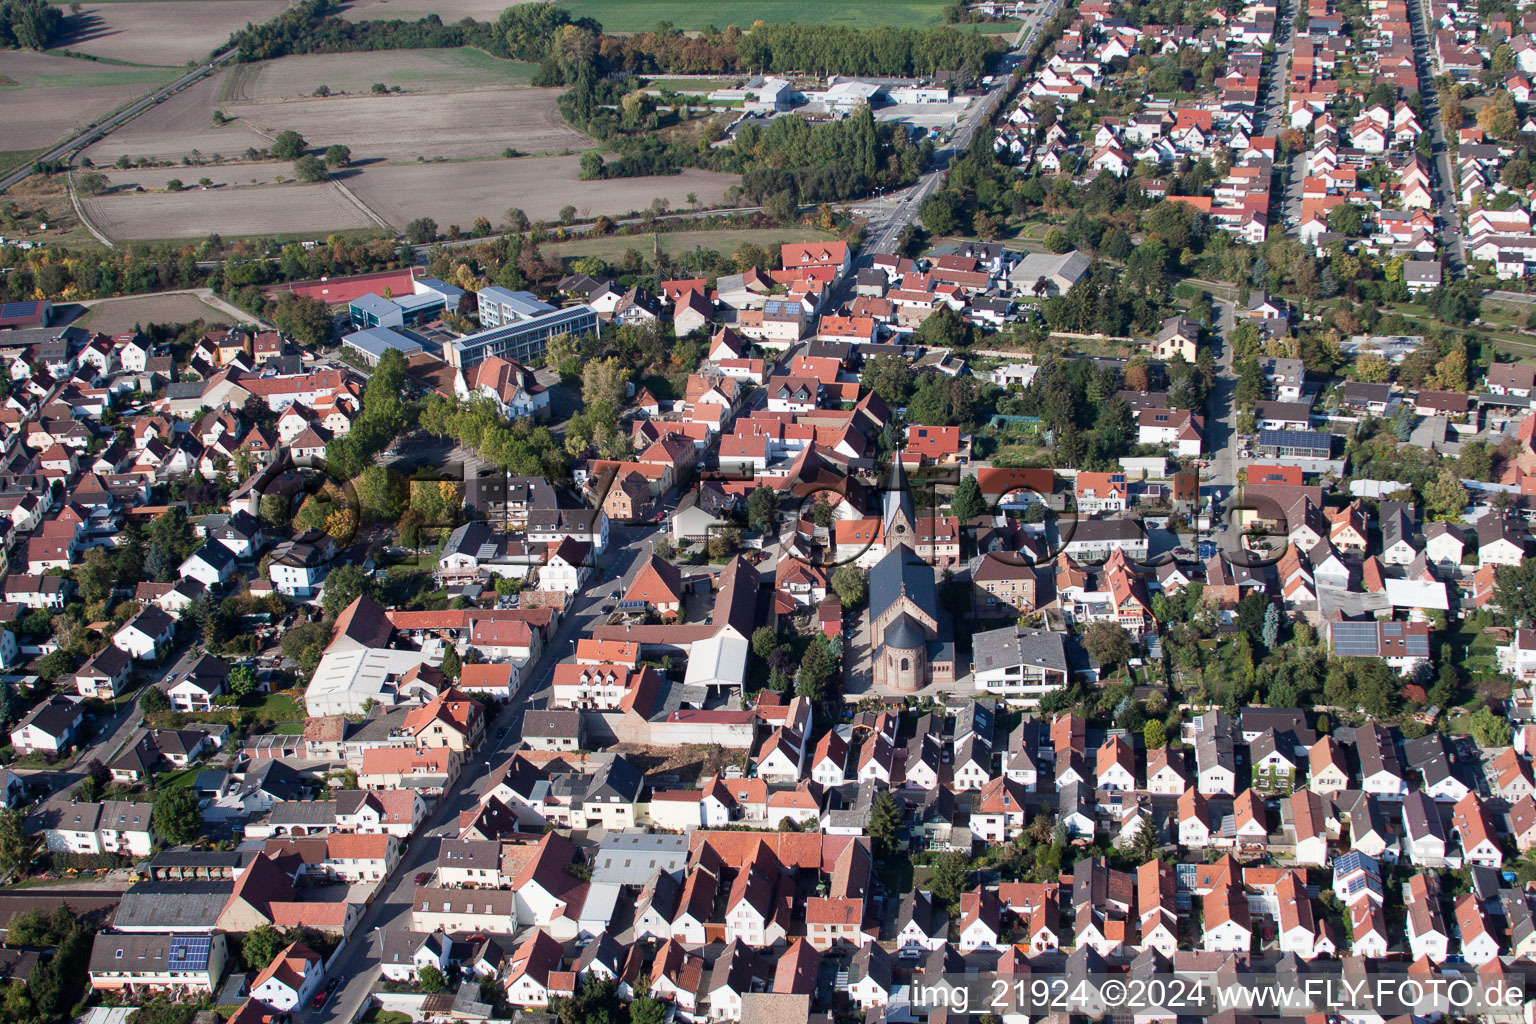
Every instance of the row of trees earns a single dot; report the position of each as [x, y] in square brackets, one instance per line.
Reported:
[562, 44]
[29, 24]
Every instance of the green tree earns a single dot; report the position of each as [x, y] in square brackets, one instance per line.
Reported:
[1444, 496]
[968, 502]
[275, 511]
[382, 494]
[153, 700]
[850, 584]
[1109, 643]
[948, 880]
[816, 667]
[762, 510]
[92, 183]
[242, 680]
[429, 979]
[343, 586]
[14, 844]
[1154, 734]
[177, 818]
[310, 168]
[174, 185]
[1489, 729]
[338, 155]
[421, 231]
[604, 382]
[646, 1010]
[288, 145]
[764, 641]
[261, 946]
[884, 823]
[95, 576]
[452, 665]
[302, 318]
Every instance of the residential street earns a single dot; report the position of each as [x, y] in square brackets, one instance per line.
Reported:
[1221, 426]
[112, 733]
[1444, 180]
[359, 964]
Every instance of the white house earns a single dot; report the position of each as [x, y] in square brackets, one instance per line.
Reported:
[145, 635]
[290, 979]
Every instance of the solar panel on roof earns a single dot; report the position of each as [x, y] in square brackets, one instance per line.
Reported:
[190, 952]
[1355, 639]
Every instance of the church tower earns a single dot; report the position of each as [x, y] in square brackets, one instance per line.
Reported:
[899, 517]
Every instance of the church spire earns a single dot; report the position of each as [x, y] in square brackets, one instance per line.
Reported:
[899, 516]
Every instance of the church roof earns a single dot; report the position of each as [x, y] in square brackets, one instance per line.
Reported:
[902, 573]
[903, 635]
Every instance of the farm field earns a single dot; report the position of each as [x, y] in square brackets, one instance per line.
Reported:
[642, 15]
[405, 127]
[116, 315]
[255, 210]
[163, 33]
[424, 121]
[414, 10]
[52, 94]
[457, 193]
[175, 128]
[724, 240]
[461, 70]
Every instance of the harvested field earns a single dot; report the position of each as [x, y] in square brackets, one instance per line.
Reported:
[53, 94]
[178, 126]
[457, 193]
[414, 10]
[463, 70]
[116, 315]
[253, 210]
[396, 128]
[164, 33]
[726, 240]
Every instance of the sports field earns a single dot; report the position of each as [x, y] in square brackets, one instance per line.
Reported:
[642, 15]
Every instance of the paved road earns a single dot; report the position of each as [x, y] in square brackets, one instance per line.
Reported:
[1444, 181]
[102, 129]
[1271, 110]
[112, 733]
[1221, 422]
[390, 910]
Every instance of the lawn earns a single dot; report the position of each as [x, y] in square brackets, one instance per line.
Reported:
[87, 79]
[274, 707]
[643, 15]
[690, 84]
[179, 779]
[727, 240]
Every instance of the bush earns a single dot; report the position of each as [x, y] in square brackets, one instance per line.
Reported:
[174, 185]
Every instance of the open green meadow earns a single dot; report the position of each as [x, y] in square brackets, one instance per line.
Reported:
[643, 15]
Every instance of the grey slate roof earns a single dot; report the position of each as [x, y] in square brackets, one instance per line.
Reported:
[173, 906]
[902, 572]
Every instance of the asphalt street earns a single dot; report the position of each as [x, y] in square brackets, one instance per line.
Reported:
[390, 909]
